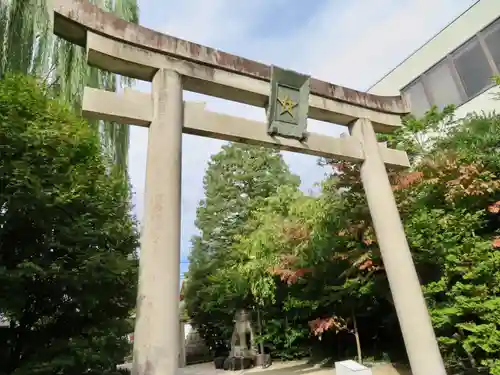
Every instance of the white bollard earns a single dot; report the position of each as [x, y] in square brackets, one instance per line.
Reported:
[351, 368]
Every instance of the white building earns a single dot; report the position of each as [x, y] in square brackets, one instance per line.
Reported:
[454, 67]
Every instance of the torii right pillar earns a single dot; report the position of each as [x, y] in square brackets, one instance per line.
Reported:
[416, 327]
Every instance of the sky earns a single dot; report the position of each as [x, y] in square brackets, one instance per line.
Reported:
[350, 43]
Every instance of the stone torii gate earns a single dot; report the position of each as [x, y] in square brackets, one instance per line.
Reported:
[174, 65]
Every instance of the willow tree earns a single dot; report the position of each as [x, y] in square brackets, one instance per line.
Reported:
[28, 45]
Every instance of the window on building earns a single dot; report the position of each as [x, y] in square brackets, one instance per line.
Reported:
[460, 76]
[441, 86]
[473, 68]
[492, 41]
[418, 99]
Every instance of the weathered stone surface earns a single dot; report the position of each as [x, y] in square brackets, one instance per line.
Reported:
[73, 17]
[134, 107]
[288, 104]
[132, 61]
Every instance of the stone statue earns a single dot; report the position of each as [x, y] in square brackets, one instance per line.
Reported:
[242, 340]
[242, 352]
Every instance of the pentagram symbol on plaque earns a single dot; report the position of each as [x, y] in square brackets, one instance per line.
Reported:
[287, 104]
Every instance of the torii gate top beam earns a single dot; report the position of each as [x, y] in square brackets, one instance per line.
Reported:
[73, 18]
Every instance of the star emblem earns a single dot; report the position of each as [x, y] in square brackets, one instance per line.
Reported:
[287, 105]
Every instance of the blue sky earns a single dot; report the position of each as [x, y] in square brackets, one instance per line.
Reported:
[352, 43]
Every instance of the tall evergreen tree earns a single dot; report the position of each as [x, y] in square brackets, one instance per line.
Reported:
[237, 181]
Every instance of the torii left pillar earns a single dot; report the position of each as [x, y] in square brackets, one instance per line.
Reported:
[156, 344]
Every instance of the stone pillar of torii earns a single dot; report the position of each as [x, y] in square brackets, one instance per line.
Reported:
[174, 65]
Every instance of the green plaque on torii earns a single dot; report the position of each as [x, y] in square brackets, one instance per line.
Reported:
[288, 104]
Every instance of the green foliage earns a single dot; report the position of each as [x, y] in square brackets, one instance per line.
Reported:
[67, 240]
[452, 231]
[313, 266]
[28, 45]
[418, 135]
[237, 181]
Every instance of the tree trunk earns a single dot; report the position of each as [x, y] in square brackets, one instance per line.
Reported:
[259, 327]
[469, 355]
[356, 335]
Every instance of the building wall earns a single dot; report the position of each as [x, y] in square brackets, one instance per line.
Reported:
[454, 67]
[484, 102]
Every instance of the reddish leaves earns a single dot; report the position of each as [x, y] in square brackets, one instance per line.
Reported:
[285, 271]
[407, 180]
[494, 208]
[290, 276]
[320, 325]
[459, 180]
[288, 260]
[296, 232]
[366, 265]
[496, 242]
[365, 262]
[471, 180]
[361, 231]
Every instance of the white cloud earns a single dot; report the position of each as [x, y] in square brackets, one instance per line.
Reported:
[390, 31]
[215, 22]
[349, 43]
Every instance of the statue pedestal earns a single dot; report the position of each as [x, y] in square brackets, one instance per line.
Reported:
[238, 363]
[263, 360]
